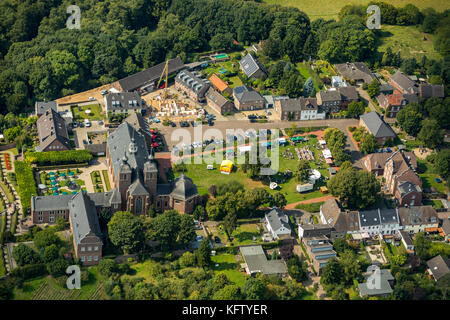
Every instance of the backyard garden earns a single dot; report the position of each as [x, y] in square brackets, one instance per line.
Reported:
[91, 112]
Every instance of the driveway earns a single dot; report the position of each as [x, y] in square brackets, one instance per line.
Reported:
[80, 134]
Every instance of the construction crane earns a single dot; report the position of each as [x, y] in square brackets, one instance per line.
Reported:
[166, 71]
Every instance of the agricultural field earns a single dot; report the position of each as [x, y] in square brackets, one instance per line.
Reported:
[228, 265]
[329, 9]
[409, 40]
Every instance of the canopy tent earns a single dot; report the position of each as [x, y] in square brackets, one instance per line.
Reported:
[42, 186]
[55, 188]
[53, 182]
[52, 178]
[273, 185]
[62, 174]
[71, 174]
[315, 175]
[322, 142]
[226, 166]
[281, 141]
[298, 138]
[52, 173]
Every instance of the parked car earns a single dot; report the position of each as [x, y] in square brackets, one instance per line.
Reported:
[74, 124]
[173, 124]
[91, 98]
[104, 92]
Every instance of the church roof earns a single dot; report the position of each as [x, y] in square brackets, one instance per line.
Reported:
[137, 188]
[184, 188]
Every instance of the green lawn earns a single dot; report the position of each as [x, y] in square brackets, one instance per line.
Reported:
[95, 114]
[409, 41]
[204, 178]
[229, 267]
[306, 73]
[330, 9]
[244, 233]
[106, 178]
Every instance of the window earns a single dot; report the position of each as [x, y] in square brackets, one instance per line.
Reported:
[89, 258]
[82, 258]
[52, 219]
[95, 258]
[83, 249]
[89, 248]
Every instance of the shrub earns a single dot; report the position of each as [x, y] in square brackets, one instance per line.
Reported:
[58, 157]
[26, 186]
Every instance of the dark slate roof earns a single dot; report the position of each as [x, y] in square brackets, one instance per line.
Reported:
[439, 266]
[407, 238]
[97, 148]
[83, 216]
[446, 226]
[192, 81]
[407, 187]
[348, 93]
[51, 126]
[417, 215]
[48, 203]
[389, 216]
[106, 199]
[386, 87]
[277, 219]
[123, 100]
[355, 71]
[256, 261]
[121, 144]
[411, 98]
[164, 188]
[369, 218]
[376, 125]
[428, 90]
[149, 75]
[246, 94]
[308, 103]
[330, 95]
[290, 105]
[216, 97]
[138, 122]
[137, 188]
[404, 82]
[42, 106]
[184, 188]
[250, 65]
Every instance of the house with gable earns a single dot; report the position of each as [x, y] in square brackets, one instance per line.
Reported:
[376, 126]
[277, 223]
[52, 132]
[251, 67]
[403, 83]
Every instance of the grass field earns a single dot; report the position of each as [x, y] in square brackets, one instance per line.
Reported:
[409, 41]
[106, 178]
[95, 114]
[330, 9]
[228, 266]
[427, 175]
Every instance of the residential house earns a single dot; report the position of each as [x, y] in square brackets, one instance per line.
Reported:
[134, 172]
[220, 85]
[85, 227]
[192, 85]
[123, 102]
[403, 83]
[342, 221]
[251, 67]
[379, 221]
[52, 132]
[386, 89]
[348, 95]
[41, 106]
[329, 100]
[446, 228]
[407, 241]
[218, 102]
[146, 80]
[438, 267]
[256, 262]
[378, 283]
[319, 250]
[355, 71]
[277, 223]
[314, 230]
[393, 103]
[245, 98]
[376, 126]
[298, 109]
[418, 219]
[429, 90]
[399, 169]
[376, 162]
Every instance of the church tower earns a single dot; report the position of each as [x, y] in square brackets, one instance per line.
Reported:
[151, 174]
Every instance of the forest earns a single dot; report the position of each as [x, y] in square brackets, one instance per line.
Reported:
[40, 58]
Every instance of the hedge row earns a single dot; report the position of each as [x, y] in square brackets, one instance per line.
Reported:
[26, 186]
[58, 157]
[29, 271]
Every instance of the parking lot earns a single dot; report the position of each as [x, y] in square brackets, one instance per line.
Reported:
[80, 134]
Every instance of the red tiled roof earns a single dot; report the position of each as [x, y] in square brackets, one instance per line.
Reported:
[218, 83]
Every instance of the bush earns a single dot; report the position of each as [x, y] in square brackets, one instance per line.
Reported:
[52, 158]
[29, 271]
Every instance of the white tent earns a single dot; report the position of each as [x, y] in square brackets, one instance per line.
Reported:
[322, 142]
[327, 153]
[245, 149]
[315, 175]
